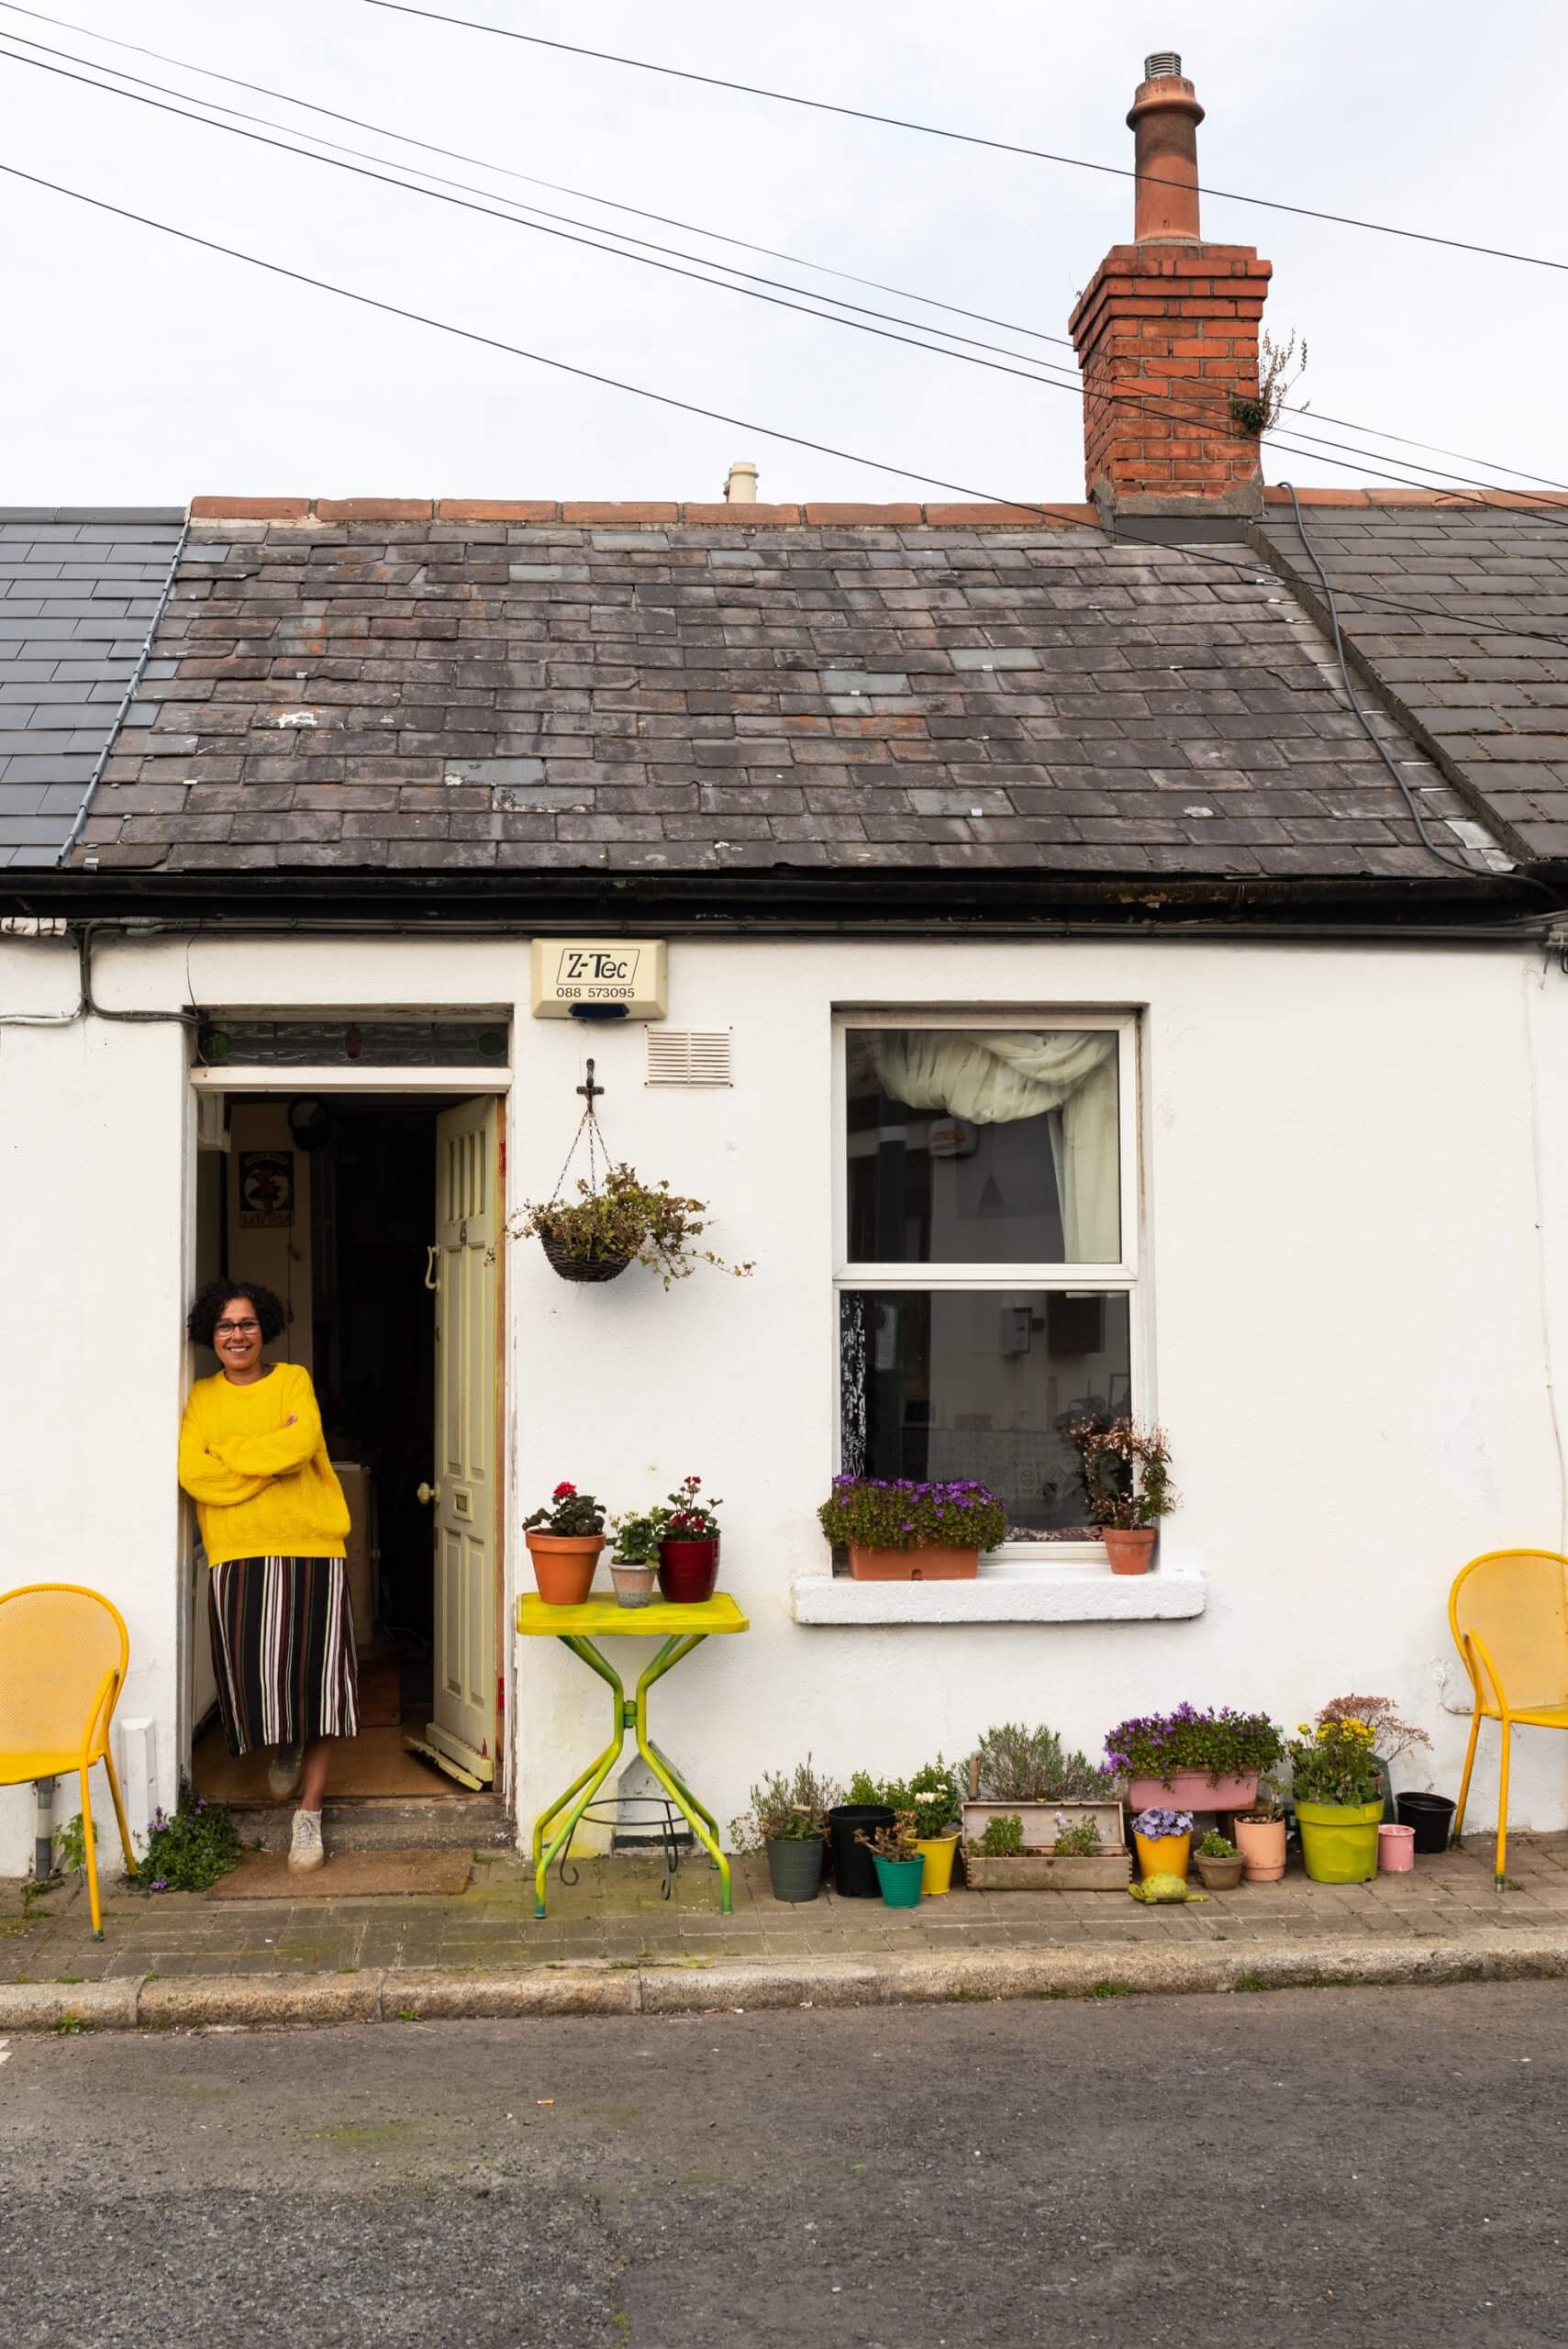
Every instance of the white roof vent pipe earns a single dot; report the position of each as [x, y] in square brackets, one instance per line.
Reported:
[741, 488]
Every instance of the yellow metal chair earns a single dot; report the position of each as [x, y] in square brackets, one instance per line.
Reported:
[63, 1652]
[1508, 1614]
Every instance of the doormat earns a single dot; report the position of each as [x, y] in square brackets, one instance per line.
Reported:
[348, 1876]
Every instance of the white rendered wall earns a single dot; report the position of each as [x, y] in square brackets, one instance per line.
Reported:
[1344, 1276]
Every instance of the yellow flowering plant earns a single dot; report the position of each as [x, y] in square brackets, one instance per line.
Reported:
[1335, 1762]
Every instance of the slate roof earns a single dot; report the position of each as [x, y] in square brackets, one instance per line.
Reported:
[683, 693]
[1491, 702]
[78, 586]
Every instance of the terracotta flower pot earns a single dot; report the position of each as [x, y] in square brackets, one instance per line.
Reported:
[1262, 1843]
[563, 1565]
[688, 1571]
[1129, 1552]
[633, 1584]
[1220, 1876]
[928, 1562]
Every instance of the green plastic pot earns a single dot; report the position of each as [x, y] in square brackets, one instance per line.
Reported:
[900, 1880]
[1339, 1840]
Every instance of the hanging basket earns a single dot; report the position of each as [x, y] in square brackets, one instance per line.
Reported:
[604, 1267]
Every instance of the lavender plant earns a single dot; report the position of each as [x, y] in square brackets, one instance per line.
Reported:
[1221, 1742]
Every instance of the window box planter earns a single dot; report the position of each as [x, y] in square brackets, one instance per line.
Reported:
[1036, 1867]
[1191, 1790]
[930, 1563]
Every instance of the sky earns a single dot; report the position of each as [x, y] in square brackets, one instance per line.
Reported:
[139, 369]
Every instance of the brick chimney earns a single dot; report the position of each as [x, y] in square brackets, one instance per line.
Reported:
[1167, 333]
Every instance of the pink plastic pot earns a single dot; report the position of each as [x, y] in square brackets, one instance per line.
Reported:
[1190, 1790]
[1396, 1849]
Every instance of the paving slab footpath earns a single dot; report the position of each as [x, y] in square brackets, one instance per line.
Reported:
[614, 1944]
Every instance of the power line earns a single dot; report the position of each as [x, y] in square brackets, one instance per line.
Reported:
[965, 137]
[1356, 462]
[773, 252]
[1046, 512]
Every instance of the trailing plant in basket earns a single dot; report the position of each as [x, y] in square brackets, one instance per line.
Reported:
[900, 1513]
[1127, 1473]
[789, 1807]
[1222, 1743]
[569, 1512]
[626, 1221]
[1018, 1765]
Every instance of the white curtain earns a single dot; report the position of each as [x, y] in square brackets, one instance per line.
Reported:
[993, 1077]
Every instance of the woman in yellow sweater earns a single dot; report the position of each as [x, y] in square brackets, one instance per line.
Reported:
[273, 1521]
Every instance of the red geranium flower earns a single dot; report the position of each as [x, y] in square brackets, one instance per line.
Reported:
[563, 1491]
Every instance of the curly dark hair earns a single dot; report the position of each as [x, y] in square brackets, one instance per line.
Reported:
[204, 1314]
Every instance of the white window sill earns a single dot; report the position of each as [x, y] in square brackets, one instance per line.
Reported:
[1079, 1589]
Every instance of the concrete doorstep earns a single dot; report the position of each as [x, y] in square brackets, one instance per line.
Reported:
[432, 1993]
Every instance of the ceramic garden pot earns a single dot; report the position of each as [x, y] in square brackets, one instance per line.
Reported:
[1220, 1876]
[1129, 1552]
[795, 1867]
[930, 1563]
[1261, 1842]
[563, 1565]
[1396, 1849]
[1338, 1840]
[938, 1851]
[633, 1584]
[688, 1571]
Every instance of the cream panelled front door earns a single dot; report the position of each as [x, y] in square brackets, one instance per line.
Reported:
[463, 1732]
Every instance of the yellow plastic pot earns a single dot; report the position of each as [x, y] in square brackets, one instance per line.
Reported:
[937, 1851]
[1339, 1840]
[1164, 1855]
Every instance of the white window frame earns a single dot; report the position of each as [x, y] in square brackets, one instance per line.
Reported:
[1123, 1276]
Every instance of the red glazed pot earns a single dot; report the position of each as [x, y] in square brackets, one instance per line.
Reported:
[927, 1563]
[688, 1571]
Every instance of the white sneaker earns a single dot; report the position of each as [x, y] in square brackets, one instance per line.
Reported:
[285, 1768]
[306, 1851]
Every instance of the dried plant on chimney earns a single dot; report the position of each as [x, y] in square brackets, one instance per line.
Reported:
[1276, 361]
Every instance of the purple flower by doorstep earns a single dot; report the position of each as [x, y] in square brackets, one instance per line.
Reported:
[1155, 1824]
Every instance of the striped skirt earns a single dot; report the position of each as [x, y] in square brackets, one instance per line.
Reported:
[283, 1649]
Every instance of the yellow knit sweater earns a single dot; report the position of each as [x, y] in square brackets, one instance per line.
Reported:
[262, 1489]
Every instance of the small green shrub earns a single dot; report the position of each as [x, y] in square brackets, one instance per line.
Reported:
[1004, 1836]
[1216, 1847]
[1079, 1842]
[191, 1848]
[788, 1806]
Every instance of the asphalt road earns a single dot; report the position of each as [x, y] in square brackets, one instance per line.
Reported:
[1360, 2167]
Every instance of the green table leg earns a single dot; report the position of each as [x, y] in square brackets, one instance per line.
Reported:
[703, 1824]
[587, 1786]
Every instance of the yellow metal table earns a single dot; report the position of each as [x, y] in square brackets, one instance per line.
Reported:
[680, 1630]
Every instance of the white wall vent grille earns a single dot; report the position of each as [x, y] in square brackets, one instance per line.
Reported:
[690, 1057]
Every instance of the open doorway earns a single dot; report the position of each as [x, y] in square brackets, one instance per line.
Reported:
[373, 1216]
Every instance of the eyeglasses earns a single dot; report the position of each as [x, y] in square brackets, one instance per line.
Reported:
[235, 1328]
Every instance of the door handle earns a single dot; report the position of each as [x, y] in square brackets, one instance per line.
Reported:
[432, 1278]
[427, 1493]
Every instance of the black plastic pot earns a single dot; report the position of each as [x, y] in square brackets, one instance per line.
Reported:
[854, 1871]
[1431, 1816]
[795, 1867]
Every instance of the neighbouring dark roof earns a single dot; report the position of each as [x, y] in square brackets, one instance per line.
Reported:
[1491, 701]
[435, 696]
[78, 586]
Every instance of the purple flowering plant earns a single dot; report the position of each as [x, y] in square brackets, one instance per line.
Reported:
[900, 1513]
[190, 1847]
[1154, 1824]
[1221, 1742]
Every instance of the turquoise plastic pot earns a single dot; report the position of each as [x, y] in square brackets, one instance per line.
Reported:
[900, 1880]
[1339, 1840]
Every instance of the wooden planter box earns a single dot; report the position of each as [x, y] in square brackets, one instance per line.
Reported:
[1036, 1868]
[1038, 1872]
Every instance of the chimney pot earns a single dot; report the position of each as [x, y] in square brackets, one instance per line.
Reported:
[1165, 119]
[1163, 62]
[741, 488]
